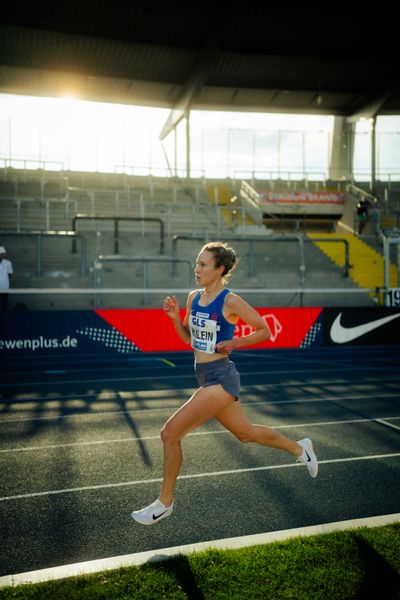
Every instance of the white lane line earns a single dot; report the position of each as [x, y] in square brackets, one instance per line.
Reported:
[184, 376]
[160, 554]
[196, 433]
[193, 476]
[140, 410]
[385, 422]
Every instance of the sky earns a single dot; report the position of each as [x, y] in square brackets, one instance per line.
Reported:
[91, 136]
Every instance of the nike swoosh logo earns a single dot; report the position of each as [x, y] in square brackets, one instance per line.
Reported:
[155, 517]
[341, 335]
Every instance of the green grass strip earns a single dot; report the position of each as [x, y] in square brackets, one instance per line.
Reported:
[357, 564]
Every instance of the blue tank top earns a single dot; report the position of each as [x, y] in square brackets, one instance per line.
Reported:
[207, 324]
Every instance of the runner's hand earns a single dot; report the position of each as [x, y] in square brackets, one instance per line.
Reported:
[171, 307]
[225, 347]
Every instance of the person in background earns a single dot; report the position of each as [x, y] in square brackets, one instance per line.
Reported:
[362, 214]
[5, 271]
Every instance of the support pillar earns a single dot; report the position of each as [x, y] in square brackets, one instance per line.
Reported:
[188, 144]
[342, 150]
[373, 155]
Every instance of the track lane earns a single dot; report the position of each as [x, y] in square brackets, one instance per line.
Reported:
[93, 454]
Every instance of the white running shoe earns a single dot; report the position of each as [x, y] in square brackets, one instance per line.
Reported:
[308, 457]
[152, 514]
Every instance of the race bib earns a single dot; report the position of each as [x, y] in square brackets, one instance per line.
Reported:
[203, 334]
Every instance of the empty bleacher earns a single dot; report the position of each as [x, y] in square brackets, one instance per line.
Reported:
[35, 205]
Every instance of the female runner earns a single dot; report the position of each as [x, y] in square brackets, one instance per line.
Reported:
[209, 323]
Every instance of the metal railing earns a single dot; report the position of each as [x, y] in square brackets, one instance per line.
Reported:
[112, 196]
[287, 296]
[48, 202]
[157, 171]
[29, 164]
[347, 265]
[144, 260]
[116, 221]
[360, 192]
[376, 210]
[56, 234]
[387, 242]
[300, 239]
[291, 178]
[250, 254]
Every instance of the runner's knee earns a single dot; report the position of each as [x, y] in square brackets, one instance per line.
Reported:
[169, 435]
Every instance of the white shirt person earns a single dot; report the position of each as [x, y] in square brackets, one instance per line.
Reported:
[5, 271]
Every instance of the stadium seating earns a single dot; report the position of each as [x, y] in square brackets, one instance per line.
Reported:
[35, 203]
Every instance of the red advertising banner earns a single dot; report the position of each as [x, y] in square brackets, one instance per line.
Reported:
[127, 332]
[302, 197]
[150, 330]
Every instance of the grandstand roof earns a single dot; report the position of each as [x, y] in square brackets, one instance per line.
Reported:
[245, 56]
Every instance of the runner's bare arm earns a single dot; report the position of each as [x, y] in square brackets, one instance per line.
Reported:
[236, 308]
[171, 309]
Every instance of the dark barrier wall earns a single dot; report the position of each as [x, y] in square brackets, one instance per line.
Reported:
[149, 330]
[361, 326]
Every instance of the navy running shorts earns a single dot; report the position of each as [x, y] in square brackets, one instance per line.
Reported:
[222, 371]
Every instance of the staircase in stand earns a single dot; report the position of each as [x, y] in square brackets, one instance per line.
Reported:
[367, 265]
[230, 212]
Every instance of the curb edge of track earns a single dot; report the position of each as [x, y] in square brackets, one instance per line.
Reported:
[139, 558]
